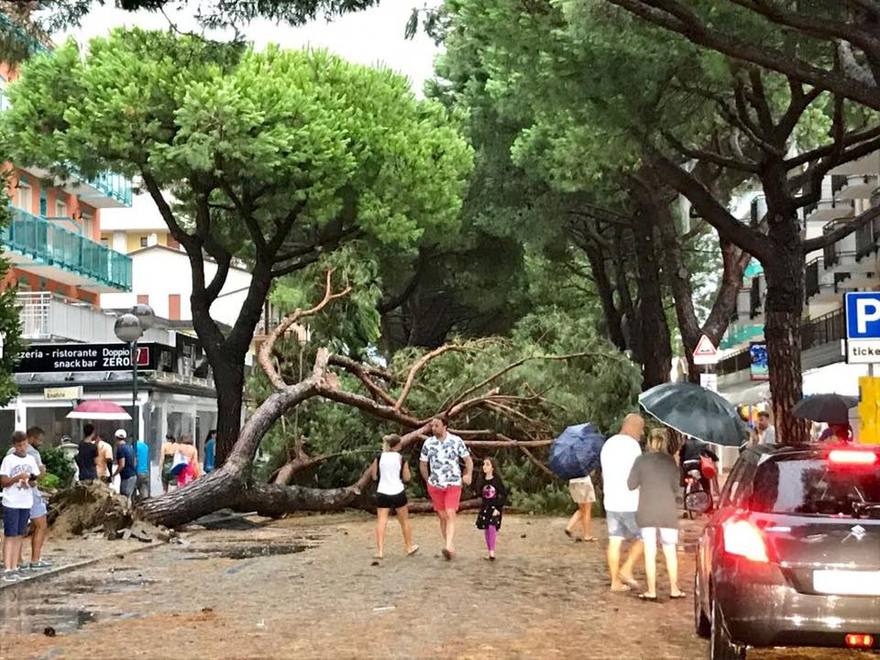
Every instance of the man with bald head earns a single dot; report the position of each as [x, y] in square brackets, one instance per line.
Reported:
[618, 455]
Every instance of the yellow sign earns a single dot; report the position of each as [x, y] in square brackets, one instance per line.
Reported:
[869, 410]
[62, 393]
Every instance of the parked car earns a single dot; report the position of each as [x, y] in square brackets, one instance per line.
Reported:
[791, 557]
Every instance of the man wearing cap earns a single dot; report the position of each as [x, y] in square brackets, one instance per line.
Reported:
[125, 464]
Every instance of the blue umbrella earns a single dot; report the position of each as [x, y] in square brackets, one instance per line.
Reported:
[575, 453]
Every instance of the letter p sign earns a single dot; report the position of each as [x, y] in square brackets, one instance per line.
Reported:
[867, 311]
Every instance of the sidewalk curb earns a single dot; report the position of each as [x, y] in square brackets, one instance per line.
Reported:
[72, 567]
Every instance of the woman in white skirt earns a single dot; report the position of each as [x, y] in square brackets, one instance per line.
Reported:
[583, 494]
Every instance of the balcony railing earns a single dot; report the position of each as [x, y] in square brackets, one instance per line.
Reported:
[740, 334]
[110, 185]
[823, 330]
[47, 317]
[48, 243]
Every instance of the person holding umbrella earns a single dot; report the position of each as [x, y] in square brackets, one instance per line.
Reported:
[831, 408]
[573, 455]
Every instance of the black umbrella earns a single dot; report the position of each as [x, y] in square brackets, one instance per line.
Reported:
[831, 408]
[695, 411]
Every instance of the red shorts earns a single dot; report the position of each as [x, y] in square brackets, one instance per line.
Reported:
[445, 499]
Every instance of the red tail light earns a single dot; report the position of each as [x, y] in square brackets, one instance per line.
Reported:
[744, 539]
[852, 457]
[859, 641]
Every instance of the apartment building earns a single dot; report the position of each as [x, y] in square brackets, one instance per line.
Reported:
[850, 264]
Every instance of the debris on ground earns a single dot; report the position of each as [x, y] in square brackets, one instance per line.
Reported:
[91, 509]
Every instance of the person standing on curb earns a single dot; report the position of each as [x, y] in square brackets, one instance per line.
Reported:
[18, 476]
[87, 455]
[210, 451]
[619, 453]
[38, 510]
[440, 467]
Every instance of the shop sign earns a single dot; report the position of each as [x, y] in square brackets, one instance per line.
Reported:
[759, 364]
[64, 358]
[63, 393]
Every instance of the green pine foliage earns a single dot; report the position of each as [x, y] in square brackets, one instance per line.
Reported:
[10, 326]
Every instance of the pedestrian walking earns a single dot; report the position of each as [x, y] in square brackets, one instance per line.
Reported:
[619, 453]
[440, 467]
[494, 496]
[166, 458]
[655, 476]
[87, 455]
[765, 432]
[125, 464]
[142, 460]
[18, 477]
[39, 524]
[186, 461]
[210, 451]
[104, 460]
[583, 495]
[392, 473]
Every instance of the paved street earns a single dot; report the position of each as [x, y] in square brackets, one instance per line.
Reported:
[228, 594]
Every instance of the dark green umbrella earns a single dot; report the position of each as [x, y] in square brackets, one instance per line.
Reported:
[831, 408]
[695, 411]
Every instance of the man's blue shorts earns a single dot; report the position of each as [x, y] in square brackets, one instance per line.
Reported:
[622, 524]
[15, 521]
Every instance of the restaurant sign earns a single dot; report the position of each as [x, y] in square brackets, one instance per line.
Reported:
[63, 358]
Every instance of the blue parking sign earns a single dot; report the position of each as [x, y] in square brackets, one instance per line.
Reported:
[863, 315]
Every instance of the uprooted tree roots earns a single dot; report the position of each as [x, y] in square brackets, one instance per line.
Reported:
[231, 487]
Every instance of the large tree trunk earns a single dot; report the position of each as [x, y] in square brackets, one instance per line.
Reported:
[229, 487]
[657, 346]
[605, 291]
[229, 383]
[782, 329]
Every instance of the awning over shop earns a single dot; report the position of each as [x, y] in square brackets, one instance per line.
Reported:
[839, 378]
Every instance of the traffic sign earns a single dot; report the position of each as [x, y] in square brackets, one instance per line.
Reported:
[862, 327]
[705, 353]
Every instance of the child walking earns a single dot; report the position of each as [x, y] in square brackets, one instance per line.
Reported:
[494, 495]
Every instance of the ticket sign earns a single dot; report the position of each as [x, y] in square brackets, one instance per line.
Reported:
[862, 327]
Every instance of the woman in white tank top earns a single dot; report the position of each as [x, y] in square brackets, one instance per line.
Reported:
[391, 471]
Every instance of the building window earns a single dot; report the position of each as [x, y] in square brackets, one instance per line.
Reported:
[174, 306]
[60, 209]
[23, 195]
[87, 222]
[144, 241]
[143, 299]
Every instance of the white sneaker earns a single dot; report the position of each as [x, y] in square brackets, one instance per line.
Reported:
[10, 576]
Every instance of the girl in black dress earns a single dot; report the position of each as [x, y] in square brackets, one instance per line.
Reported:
[494, 494]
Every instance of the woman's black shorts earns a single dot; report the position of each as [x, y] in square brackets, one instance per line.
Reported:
[391, 501]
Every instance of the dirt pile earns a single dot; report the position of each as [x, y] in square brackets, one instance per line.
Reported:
[89, 507]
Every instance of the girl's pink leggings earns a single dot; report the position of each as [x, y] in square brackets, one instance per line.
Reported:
[491, 537]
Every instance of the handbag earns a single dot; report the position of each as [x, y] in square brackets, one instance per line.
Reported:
[707, 467]
[179, 464]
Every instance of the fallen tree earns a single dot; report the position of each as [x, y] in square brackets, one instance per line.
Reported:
[384, 396]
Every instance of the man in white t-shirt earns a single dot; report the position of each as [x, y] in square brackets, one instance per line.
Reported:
[18, 477]
[618, 455]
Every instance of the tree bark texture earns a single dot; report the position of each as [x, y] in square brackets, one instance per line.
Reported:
[657, 346]
[782, 330]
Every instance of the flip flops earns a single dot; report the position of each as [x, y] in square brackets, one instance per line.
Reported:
[630, 582]
[412, 551]
[678, 596]
[646, 597]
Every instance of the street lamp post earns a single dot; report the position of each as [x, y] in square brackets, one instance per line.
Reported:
[130, 328]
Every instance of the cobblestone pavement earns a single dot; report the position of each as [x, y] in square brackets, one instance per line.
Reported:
[305, 587]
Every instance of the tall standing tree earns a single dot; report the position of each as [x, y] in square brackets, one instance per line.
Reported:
[271, 159]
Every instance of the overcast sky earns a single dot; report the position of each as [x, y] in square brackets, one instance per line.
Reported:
[374, 36]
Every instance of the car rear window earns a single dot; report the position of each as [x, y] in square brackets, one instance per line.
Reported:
[813, 486]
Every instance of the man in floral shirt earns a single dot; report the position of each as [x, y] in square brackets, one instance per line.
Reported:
[440, 466]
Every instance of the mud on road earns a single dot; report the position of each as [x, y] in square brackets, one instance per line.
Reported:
[305, 587]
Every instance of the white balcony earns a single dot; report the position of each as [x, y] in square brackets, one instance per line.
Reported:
[46, 318]
[870, 164]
